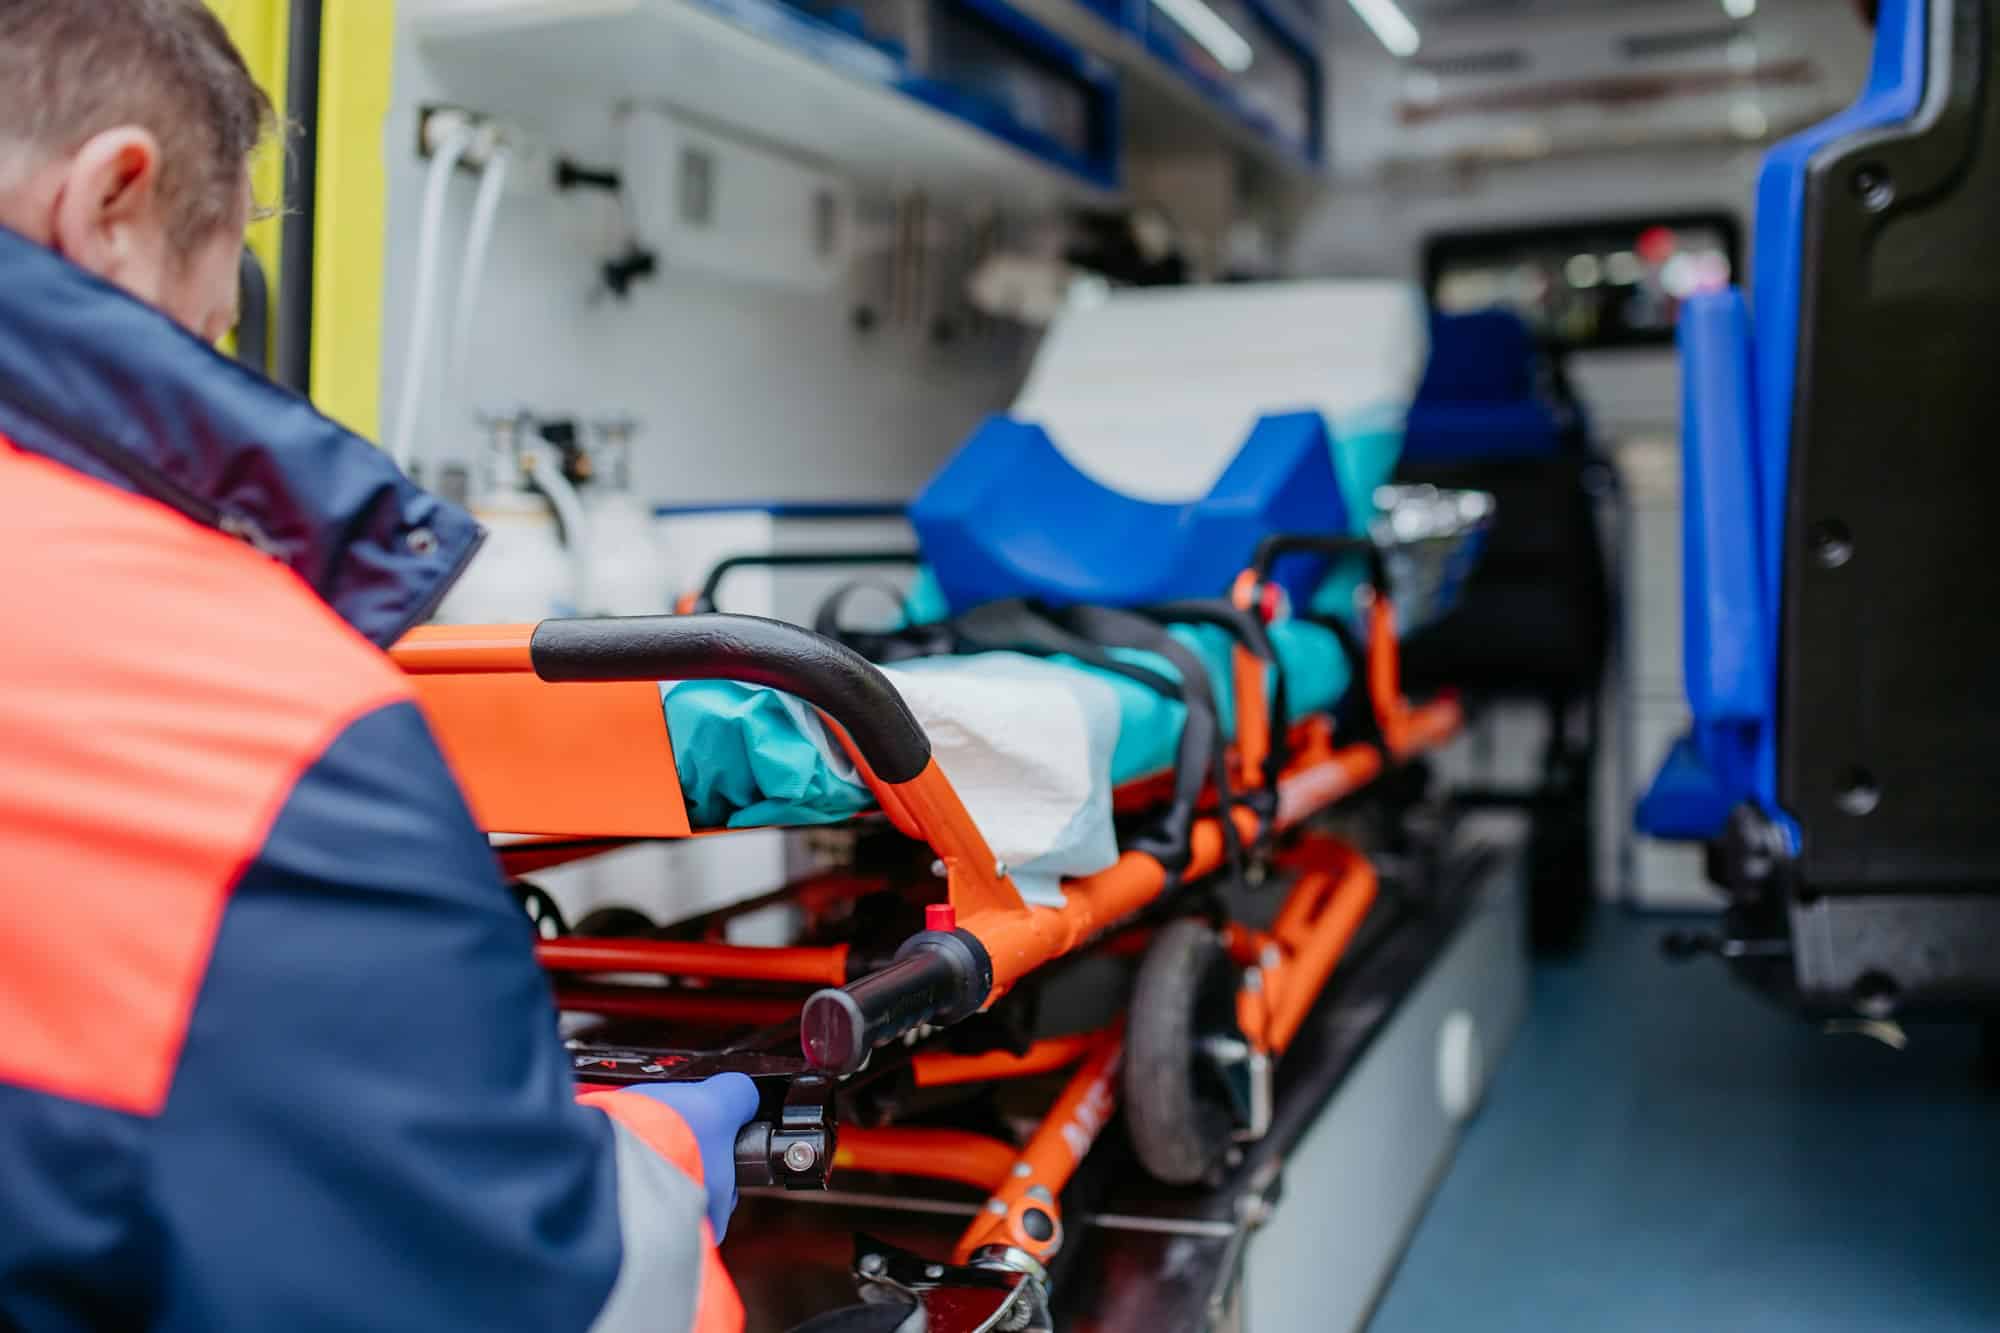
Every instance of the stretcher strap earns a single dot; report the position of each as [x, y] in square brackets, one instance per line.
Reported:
[1358, 720]
[1249, 631]
[1023, 627]
[1202, 748]
[1020, 626]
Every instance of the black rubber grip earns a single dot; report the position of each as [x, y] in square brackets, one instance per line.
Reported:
[938, 977]
[753, 1156]
[828, 675]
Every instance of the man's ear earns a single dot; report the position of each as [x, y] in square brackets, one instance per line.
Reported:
[106, 211]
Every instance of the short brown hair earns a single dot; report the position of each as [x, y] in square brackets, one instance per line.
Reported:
[70, 69]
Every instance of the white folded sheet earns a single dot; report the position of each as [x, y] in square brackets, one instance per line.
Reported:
[1028, 746]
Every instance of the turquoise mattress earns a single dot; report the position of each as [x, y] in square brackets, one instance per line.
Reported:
[751, 757]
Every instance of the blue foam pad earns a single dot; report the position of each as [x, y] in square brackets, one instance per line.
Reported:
[1009, 516]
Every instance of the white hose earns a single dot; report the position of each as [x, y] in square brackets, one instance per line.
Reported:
[409, 403]
[472, 267]
[546, 470]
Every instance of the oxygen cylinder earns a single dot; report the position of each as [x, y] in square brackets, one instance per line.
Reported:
[523, 572]
[628, 573]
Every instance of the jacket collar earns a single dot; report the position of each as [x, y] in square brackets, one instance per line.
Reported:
[104, 383]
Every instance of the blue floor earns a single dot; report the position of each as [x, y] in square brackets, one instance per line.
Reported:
[1662, 1150]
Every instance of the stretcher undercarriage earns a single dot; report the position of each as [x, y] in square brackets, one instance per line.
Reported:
[928, 1024]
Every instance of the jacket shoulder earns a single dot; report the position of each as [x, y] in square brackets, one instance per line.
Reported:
[165, 688]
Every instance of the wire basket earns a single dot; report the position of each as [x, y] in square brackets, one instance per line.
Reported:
[1430, 541]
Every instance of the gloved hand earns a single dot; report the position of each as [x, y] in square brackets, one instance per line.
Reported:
[715, 1109]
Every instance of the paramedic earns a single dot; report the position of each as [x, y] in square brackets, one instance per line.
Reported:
[276, 1052]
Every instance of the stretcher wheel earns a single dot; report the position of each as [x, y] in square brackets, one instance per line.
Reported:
[1176, 1111]
[615, 923]
[543, 914]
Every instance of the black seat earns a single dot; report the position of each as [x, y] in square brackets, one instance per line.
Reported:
[1494, 413]
[1850, 752]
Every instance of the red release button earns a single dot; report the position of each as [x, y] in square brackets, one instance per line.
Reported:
[940, 916]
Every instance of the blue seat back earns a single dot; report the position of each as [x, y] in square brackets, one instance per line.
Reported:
[1480, 396]
[1739, 369]
[1010, 516]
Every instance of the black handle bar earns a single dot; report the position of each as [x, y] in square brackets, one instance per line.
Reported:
[828, 675]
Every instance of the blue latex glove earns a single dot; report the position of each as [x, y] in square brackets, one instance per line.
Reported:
[715, 1109]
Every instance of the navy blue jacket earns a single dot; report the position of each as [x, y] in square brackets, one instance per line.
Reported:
[276, 1052]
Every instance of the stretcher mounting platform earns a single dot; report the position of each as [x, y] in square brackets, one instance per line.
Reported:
[1306, 1230]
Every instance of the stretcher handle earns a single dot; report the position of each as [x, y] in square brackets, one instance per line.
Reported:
[830, 676]
[705, 599]
[1306, 543]
[938, 978]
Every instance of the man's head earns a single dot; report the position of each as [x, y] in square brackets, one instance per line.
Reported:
[125, 132]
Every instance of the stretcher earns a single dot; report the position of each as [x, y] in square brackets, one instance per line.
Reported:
[919, 969]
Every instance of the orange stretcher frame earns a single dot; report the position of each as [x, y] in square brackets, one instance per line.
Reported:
[1313, 930]
[536, 757]
[582, 766]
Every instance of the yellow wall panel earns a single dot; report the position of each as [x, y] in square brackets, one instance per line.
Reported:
[357, 52]
[259, 28]
[357, 57]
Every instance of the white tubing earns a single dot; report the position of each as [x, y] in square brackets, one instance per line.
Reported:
[409, 404]
[546, 470]
[472, 267]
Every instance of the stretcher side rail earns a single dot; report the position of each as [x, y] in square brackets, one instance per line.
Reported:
[704, 599]
[1393, 719]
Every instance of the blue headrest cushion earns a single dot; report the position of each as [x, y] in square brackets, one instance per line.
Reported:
[1484, 356]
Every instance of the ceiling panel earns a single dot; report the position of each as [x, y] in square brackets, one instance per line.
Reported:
[1481, 10]
[1432, 15]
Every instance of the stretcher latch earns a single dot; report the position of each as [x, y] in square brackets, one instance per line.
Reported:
[999, 1290]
